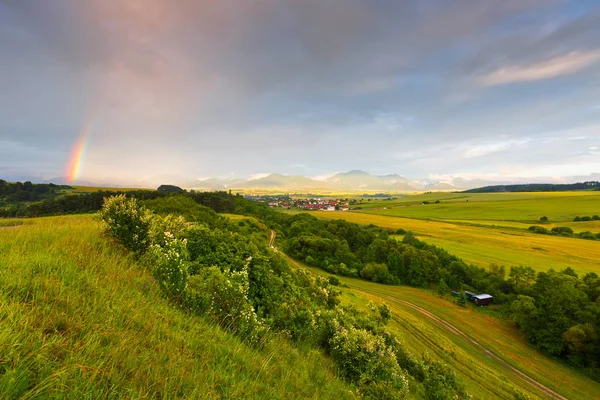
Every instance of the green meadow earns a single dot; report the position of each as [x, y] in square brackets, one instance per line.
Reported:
[521, 207]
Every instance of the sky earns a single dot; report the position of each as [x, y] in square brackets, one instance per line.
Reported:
[130, 90]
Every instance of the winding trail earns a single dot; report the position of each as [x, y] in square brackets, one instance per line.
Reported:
[449, 327]
[551, 394]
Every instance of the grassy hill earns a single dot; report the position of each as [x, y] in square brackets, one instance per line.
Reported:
[80, 318]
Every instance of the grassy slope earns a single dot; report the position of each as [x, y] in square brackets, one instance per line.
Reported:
[80, 317]
[483, 376]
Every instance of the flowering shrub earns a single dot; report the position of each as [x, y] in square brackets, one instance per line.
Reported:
[365, 358]
[176, 226]
[170, 264]
[127, 222]
[224, 296]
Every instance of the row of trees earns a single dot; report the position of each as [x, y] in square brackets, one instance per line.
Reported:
[14, 192]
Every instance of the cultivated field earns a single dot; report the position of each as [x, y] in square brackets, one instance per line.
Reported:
[521, 207]
[484, 231]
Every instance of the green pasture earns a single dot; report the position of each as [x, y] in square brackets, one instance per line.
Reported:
[520, 207]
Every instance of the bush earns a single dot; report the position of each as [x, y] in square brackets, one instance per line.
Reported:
[595, 218]
[224, 296]
[587, 235]
[127, 222]
[538, 229]
[334, 281]
[170, 265]
[440, 382]
[544, 219]
[376, 272]
[163, 229]
[365, 359]
[562, 230]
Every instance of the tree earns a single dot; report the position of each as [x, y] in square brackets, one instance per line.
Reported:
[523, 310]
[443, 287]
[544, 219]
[462, 299]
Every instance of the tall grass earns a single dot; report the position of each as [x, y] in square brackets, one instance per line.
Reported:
[79, 318]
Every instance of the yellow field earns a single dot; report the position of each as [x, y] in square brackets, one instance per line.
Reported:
[482, 245]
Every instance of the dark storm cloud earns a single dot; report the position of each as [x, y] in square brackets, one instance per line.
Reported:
[253, 86]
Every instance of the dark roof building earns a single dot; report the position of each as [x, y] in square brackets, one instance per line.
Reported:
[482, 299]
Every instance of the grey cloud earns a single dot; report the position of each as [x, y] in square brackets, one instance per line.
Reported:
[259, 84]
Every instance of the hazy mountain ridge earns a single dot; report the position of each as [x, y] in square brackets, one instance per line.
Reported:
[355, 181]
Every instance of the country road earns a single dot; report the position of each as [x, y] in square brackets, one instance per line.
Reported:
[453, 329]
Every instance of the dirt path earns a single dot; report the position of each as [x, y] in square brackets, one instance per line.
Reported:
[526, 378]
[272, 239]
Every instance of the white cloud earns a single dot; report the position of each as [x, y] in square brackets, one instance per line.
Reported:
[258, 176]
[489, 148]
[560, 65]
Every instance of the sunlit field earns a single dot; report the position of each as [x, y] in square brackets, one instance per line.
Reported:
[522, 207]
[463, 229]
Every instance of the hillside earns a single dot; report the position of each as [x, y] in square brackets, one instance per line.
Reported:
[79, 317]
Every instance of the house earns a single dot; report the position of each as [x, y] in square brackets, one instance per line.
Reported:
[479, 299]
[330, 208]
[482, 299]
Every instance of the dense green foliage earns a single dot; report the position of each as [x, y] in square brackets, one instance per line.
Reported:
[564, 231]
[73, 203]
[14, 192]
[251, 291]
[538, 187]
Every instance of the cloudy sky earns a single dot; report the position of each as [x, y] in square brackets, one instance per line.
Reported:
[199, 88]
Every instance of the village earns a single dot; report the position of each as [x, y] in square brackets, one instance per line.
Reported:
[309, 204]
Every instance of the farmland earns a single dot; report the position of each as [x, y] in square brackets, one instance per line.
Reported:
[484, 375]
[484, 231]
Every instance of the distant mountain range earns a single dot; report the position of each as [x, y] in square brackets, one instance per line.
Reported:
[349, 182]
[346, 182]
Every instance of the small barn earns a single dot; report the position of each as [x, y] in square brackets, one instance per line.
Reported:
[482, 299]
[470, 295]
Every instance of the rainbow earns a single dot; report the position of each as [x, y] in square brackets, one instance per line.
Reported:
[78, 154]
